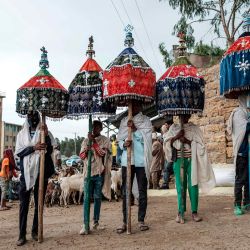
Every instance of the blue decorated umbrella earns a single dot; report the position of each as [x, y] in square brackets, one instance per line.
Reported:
[85, 100]
[180, 91]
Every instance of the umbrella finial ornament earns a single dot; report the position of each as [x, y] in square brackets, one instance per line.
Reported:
[182, 45]
[90, 52]
[129, 40]
[44, 63]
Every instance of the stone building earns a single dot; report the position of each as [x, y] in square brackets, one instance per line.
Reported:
[214, 119]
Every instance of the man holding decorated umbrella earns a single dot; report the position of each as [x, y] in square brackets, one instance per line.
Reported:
[235, 84]
[100, 180]
[197, 171]
[140, 162]
[180, 91]
[28, 148]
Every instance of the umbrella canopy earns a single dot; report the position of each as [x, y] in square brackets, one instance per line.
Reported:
[235, 66]
[181, 89]
[42, 93]
[128, 77]
[85, 90]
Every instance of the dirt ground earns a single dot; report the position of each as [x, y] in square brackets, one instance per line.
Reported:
[220, 229]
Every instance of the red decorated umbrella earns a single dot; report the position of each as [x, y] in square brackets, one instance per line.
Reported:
[128, 78]
[180, 91]
[45, 94]
[85, 100]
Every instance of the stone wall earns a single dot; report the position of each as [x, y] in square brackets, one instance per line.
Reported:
[213, 121]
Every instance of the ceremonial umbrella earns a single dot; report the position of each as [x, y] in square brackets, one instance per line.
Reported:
[128, 78]
[235, 66]
[180, 91]
[235, 69]
[45, 94]
[85, 100]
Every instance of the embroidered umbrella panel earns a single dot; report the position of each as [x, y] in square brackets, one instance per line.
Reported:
[180, 90]
[42, 93]
[86, 94]
[128, 77]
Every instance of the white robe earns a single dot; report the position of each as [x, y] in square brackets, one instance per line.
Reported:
[144, 125]
[31, 161]
[201, 170]
[236, 127]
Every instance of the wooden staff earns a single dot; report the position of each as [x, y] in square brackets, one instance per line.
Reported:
[41, 184]
[87, 192]
[129, 184]
[182, 172]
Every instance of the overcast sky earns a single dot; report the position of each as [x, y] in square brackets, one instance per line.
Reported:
[63, 27]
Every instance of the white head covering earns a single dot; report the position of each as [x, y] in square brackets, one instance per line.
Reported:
[31, 161]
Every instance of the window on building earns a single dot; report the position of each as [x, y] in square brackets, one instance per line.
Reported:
[6, 138]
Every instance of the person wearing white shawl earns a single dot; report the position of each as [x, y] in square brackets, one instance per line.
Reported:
[198, 172]
[140, 163]
[28, 148]
[239, 128]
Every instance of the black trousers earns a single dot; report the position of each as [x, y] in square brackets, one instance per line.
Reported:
[142, 188]
[24, 197]
[241, 181]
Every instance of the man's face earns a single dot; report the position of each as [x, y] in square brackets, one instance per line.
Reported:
[97, 129]
[136, 108]
[186, 118]
[33, 119]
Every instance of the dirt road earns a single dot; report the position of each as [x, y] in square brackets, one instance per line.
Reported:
[220, 229]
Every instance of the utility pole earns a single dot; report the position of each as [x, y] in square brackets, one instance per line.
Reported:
[75, 143]
[2, 95]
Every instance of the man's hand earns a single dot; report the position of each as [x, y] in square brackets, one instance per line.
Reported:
[131, 125]
[91, 136]
[180, 134]
[127, 144]
[185, 140]
[40, 146]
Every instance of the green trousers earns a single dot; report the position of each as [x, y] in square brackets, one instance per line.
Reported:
[181, 186]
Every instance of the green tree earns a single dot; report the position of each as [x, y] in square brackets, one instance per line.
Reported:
[166, 56]
[183, 27]
[222, 14]
[207, 50]
[68, 146]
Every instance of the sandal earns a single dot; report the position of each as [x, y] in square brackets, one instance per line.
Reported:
[121, 229]
[179, 219]
[196, 218]
[143, 226]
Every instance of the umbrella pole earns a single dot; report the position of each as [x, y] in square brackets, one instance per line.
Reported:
[182, 173]
[248, 162]
[41, 184]
[87, 191]
[129, 184]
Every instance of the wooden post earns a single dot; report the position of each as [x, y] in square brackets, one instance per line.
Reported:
[87, 191]
[129, 184]
[182, 172]
[41, 184]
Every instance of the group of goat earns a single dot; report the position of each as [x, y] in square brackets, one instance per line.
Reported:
[69, 182]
